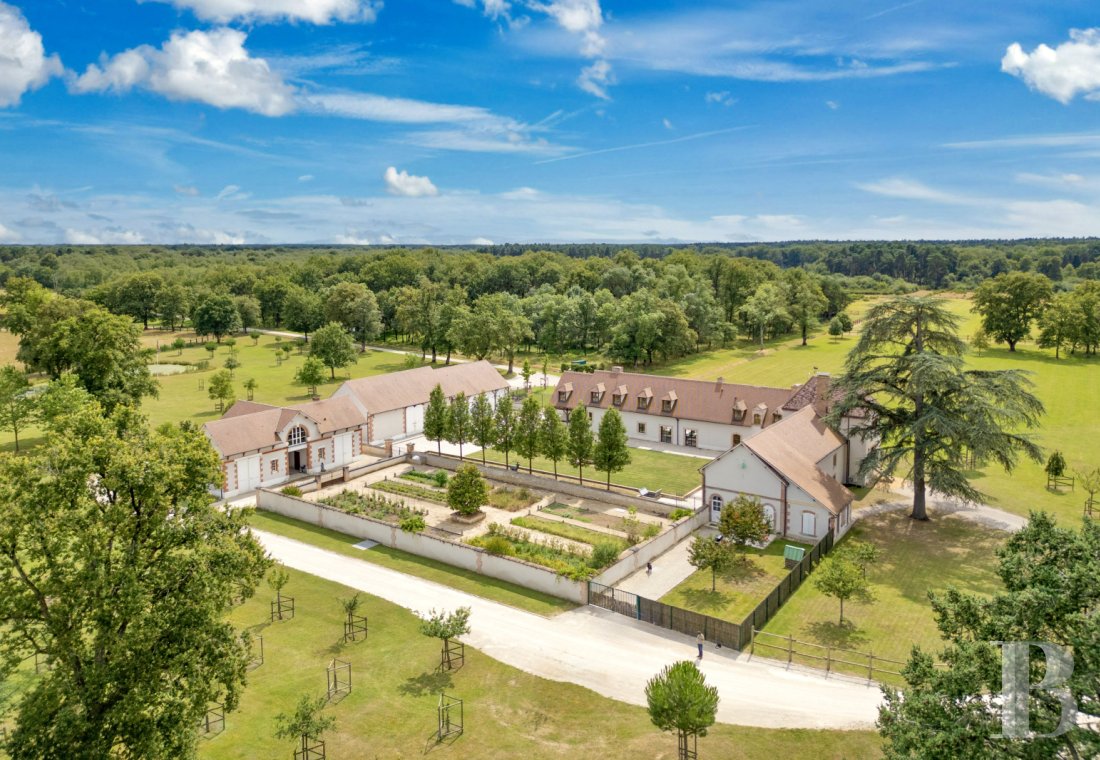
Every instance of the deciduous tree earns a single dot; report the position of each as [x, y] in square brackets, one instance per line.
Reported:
[435, 418]
[117, 570]
[610, 452]
[467, 491]
[1009, 303]
[527, 430]
[333, 346]
[17, 405]
[679, 699]
[553, 437]
[743, 522]
[458, 421]
[216, 315]
[310, 374]
[840, 578]
[707, 554]
[579, 441]
[483, 424]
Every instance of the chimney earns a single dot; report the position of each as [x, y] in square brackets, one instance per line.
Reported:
[822, 393]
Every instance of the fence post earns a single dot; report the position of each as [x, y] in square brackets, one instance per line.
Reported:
[870, 667]
[752, 641]
[637, 607]
[828, 660]
[790, 649]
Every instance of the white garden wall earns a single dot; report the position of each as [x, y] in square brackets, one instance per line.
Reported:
[636, 557]
[452, 553]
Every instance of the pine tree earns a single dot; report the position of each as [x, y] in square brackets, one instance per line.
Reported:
[922, 405]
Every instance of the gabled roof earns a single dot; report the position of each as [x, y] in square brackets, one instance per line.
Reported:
[793, 447]
[700, 400]
[251, 426]
[397, 390]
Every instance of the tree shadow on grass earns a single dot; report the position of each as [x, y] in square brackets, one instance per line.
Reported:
[744, 570]
[428, 682]
[705, 599]
[846, 635]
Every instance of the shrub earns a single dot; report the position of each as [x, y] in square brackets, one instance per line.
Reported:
[291, 491]
[413, 523]
[440, 477]
[603, 554]
[498, 545]
[373, 505]
[414, 492]
[679, 513]
[651, 530]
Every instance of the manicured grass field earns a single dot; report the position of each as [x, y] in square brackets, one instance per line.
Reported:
[738, 590]
[391, 711]
[181, 396]
[917, 557]
[410, 564]
[655, 470]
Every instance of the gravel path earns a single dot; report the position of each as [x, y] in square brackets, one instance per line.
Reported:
[991, 517]
[608, 653]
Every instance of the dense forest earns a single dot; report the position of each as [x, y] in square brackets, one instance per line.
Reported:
[635, 304]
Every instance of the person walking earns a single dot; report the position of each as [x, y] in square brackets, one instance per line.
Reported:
[700, 641]
[649, 568]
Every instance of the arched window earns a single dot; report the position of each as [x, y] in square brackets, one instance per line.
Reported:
[716, 501]
[297, 436]
[769, 515]
[809, 523]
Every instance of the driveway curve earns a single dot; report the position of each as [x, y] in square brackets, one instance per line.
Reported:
[608, 653]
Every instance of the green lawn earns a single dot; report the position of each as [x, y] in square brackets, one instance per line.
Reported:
[391, 711]
[410, 564]
[917, 557]
[655, 470]
[737, 591]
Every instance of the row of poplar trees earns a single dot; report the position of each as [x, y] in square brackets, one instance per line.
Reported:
[531, 431]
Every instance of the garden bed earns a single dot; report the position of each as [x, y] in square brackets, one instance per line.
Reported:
[565, 530]
[552, 553]
[370, 505]
[511, 499]
[615, 520]
[438, 478]
[411, 491]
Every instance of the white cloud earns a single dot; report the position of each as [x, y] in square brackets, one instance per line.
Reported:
[189, 190]
[209, 67]
[359, 105]
[494, 9]
[832, 105]
[24, 64]
[1064, 72]
[595, 79]
[667, 124]
[1061, 181]
[720, 98]
[481, 241]
[306, 178]
[7, 236]
[521, 194]
[312, 11]
[231, 193]
[484, 141]
[79, 237]
[898, 187]
[408, 185]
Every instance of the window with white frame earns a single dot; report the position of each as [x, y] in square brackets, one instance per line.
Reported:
[666, 434]
[275, 465]
[716, 502]
[297, 436]
[641, 427]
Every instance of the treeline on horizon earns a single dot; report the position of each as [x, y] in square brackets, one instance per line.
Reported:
[635, 304]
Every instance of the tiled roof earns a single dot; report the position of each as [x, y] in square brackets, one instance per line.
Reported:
[793, 446]
[700, 400]
[397, 390]
[241, 430]
[337, 413]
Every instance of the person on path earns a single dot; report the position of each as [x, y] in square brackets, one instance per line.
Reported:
[649, 568]
[701, 640]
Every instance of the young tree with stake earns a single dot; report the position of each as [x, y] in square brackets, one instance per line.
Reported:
[445, 626]
[679, 699]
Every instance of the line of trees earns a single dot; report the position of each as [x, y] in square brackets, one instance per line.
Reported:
[532, 431]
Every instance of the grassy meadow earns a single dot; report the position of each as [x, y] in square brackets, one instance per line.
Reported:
[917, 557]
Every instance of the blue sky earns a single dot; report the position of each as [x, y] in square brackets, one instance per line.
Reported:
[460, 121]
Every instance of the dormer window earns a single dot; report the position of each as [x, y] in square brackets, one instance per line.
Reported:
[597, 393]
[564, 392]
[617, 399]
[297, 436]
[756, 419]
[668, 403]
[776, 416]
[738, 415]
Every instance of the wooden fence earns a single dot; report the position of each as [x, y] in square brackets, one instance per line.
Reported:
[829, 659]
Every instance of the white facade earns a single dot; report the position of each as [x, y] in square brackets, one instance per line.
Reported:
[794, 513]
[652, 428]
